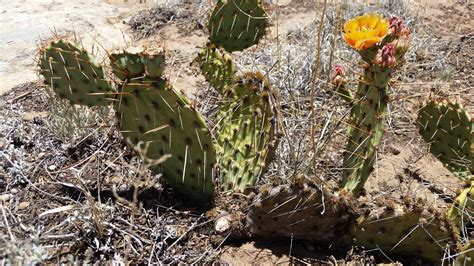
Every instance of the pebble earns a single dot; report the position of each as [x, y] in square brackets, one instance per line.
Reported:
[14, 191]
[23, 205]
[5, 197]
[52, 167]
[41, 155]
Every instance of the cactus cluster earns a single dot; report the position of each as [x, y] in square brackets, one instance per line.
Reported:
[152, 116]
[157, 120]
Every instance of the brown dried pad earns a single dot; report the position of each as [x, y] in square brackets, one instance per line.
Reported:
[299, 211]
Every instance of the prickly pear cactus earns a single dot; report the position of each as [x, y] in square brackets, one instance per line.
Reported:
[217, 67]
[299, 210]
[237, 24]
[405, 231]
[449, 130]
[382, 46]
[162, 121]
[247, 132]
[154, 118]
[74, 75]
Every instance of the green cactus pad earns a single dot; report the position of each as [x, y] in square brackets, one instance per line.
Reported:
[404, 232]
[162, 121]
[237, 24]
[127, 64]
[217, 67]
[74, 74]
[154, 61]
[299, 211]
[247, 132]
[366, 127]
[449, 129]
[136, 62]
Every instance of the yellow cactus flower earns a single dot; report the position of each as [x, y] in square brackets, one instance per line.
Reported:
[365, 31]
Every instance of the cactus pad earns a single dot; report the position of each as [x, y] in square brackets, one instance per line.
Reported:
[366, 127]
[449, 129]
[301, 211]
[237, 24]
[247, 132]
[161, 121]
[127, 64]
[217, 67]
[404, 231]
[74, 74]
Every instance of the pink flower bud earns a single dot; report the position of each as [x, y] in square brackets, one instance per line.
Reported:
[386, 55]
[398, 27]
[338, 70]
[338, 78]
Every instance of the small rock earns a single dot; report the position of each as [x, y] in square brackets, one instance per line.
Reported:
[41, 155]
[14, 191]
[223, 224]
[52, 167]
[5, 197]
[23, 205]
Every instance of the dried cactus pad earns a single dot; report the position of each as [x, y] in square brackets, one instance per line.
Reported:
[161, 121]
[217, 67]
[247, 132]
[449, 130]
[237, 24]
[299, 211]
[405, 231]
[74, 74]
